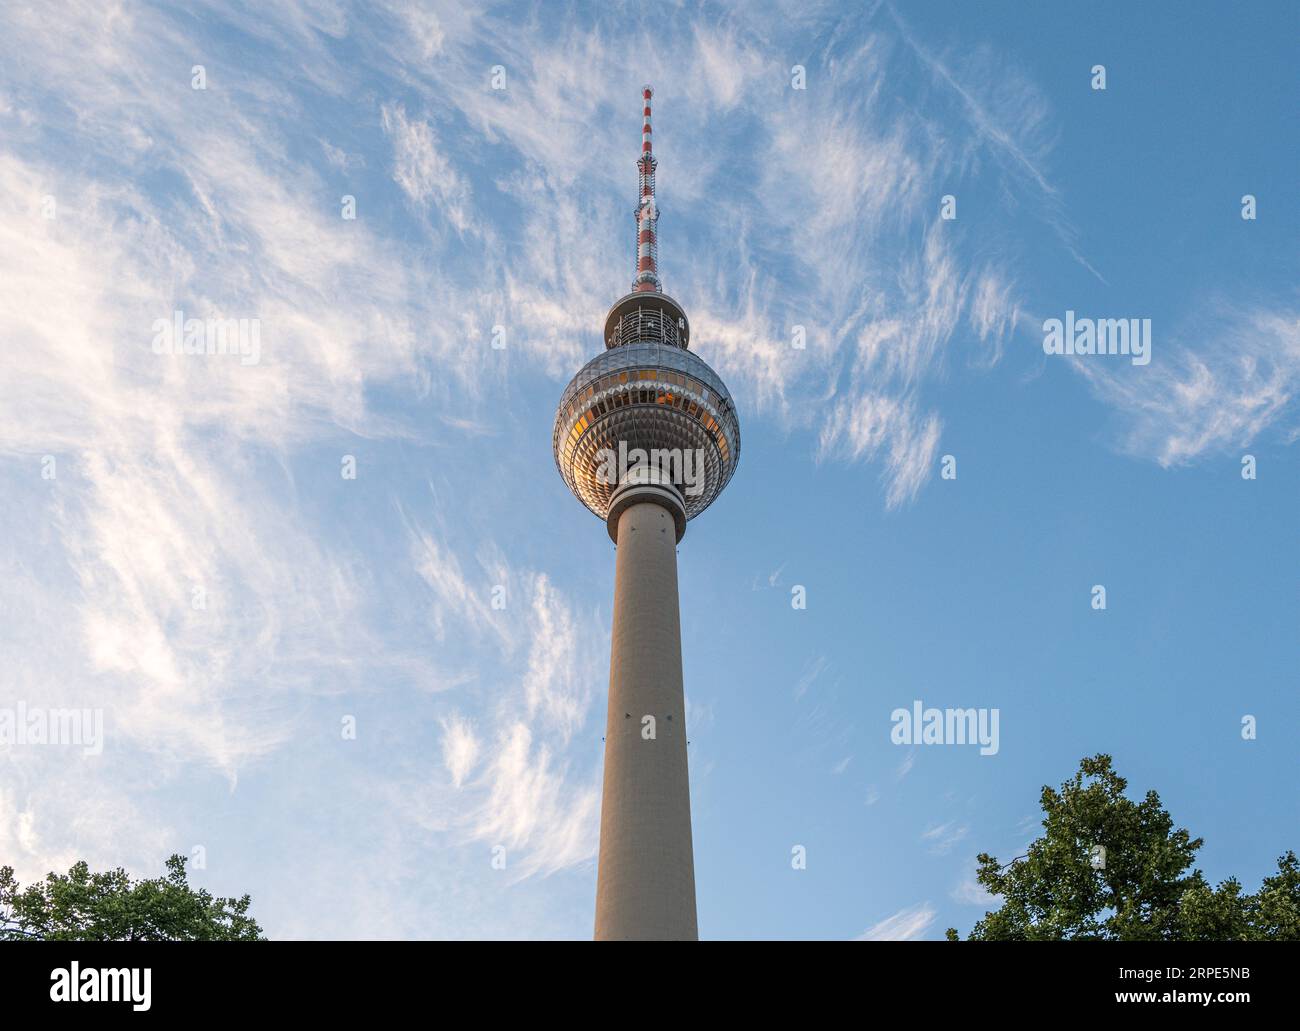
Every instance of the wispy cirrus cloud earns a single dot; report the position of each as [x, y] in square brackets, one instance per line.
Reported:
[872, 424]
[170, 572]
[460, 747]
[909, 924]
[1009, 119]
[422, 169]
[1222, 388]
[510, 763]
[969, 892]
[943, 838]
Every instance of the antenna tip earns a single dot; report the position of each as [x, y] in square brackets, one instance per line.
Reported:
[647, 92]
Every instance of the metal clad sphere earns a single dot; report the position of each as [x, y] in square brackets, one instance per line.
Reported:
[648, 396]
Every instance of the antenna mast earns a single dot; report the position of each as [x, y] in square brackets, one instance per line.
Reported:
[647, 212]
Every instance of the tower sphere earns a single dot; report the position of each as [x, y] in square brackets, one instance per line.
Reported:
[646, 392]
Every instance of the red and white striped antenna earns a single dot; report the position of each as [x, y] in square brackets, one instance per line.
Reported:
[647, 212]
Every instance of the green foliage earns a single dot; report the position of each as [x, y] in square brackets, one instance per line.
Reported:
[1141, 892]
[85, 906]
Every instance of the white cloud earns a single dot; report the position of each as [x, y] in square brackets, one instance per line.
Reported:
[558, 684]
[944, 837]
[969, 892]
[173, 574]
[456, 598]
[727, 68]
[525, 795]
[994, 312]
[1218, 391]
[1008, 118]
[534, 807]
[152, 500]
[340, 158]
[423, 170]
[908, 924]
[814, 670]
[460, 747]
[870, 424]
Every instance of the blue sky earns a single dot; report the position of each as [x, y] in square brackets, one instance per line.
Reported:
[128, 195]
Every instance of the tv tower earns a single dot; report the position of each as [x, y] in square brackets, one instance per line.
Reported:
[646, 436]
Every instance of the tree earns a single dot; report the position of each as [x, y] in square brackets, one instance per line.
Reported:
[1111, 869]
[85, 906]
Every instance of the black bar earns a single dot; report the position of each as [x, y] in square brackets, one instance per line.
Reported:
[926, 979]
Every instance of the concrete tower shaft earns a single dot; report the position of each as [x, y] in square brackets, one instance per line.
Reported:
[645, 885]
